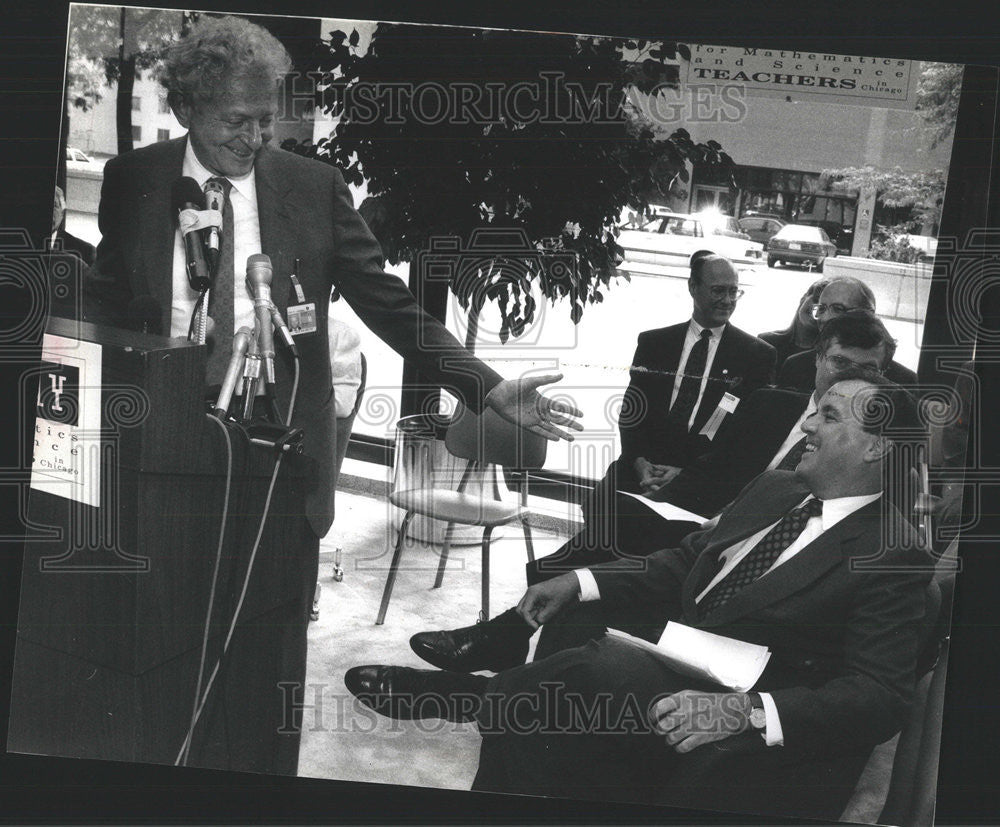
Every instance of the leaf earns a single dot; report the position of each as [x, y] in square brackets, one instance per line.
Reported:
[355, 38]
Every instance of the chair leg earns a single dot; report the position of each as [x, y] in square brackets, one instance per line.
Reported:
[449, 530]
[484, 613]
[527, 541]
[390, 580]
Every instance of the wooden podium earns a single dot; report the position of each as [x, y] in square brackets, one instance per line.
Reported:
[114, 596]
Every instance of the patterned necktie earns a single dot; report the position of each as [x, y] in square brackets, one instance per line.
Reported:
[220, 300]
[694, 370]
[762, 556]
[791, 459]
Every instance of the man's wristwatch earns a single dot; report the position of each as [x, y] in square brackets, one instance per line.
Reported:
[758, 720]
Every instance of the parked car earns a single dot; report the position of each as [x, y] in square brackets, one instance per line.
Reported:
[673, 238]
[78, 155]
[841, 236]
[761, 227]
[800, 244]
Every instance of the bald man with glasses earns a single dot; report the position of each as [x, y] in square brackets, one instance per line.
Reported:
[843, 295]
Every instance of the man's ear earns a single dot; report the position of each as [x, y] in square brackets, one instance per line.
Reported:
[879, 448]
[182, 109]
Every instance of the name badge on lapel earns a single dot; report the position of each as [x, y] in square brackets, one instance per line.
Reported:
[301, 316]
[727, 405]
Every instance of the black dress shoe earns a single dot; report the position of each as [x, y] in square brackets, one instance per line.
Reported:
[417, 694]
[495, 645]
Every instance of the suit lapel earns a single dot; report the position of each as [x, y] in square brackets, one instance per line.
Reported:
[735, 528]
[808, 565]
[277, 230]
[157, 229]
[673, 344]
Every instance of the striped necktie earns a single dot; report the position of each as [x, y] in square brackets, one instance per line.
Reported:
[694, 371]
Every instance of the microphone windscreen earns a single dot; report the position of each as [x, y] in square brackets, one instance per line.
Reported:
[143, 312]
[259, 260]
[186, 191]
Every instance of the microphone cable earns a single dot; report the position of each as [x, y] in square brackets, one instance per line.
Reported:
[200, 704]
[195, 313]
[195, 711]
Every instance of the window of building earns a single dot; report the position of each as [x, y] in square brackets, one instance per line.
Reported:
[801, 198]
[164, 106]
[136, 134]
[163, 134]
[136, 103]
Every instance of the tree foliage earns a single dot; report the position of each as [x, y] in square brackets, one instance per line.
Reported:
[923, 190]
[103, 38]
[938, 91]
[457, 130]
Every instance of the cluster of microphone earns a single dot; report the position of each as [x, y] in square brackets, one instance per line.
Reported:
[199, 217]
[253, 350]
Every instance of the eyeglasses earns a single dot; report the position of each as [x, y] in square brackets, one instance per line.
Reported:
[837, 309]
[721, 292]
[841, 363]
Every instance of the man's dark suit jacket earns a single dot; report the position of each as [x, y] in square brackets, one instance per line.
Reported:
[783, 341]
[799, 373]
[306, 212]
[760, 426]
[71, 244]
[742, 364]
[844, 644]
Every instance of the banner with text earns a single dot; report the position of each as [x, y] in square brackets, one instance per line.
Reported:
[851, 79]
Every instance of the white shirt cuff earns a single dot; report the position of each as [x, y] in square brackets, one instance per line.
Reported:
[772, 734]
[588, 585]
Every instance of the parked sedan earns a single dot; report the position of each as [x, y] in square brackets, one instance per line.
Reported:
[673, 238]
[761, 227]
[800, 244]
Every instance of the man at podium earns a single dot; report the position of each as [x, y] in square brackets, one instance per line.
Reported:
[222, 83]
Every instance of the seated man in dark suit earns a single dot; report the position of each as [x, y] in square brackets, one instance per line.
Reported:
[765, 434]
[784, 566]
[841, 295]
[68, 257]
[683, 378]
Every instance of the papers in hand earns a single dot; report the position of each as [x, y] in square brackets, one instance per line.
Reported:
[667, 510]
[732, 663]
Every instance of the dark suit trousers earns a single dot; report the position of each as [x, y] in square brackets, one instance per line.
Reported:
[252, 721]
[573, 725]
[618, 528]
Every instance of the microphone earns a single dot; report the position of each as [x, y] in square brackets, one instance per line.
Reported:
[241, 341]
[251, 374]
[259, 276]
[143, 315]
[282, 328]
[187, 198]
[215, 199]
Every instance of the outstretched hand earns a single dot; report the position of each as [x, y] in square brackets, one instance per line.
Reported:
[518, 401]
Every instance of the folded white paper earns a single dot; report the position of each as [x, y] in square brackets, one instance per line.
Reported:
[667, 510]
[734, 664]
